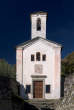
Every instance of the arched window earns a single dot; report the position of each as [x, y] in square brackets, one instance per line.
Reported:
[38, 56]
[32, 57]
[38, 24]
[44, 57]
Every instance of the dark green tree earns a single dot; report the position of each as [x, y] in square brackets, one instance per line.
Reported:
[7, 69]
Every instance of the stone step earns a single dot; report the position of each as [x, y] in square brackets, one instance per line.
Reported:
[48, 104]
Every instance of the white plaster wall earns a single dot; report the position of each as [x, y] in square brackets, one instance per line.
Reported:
[19, 65]
[48, 68]
[34, 32]
[57, 77]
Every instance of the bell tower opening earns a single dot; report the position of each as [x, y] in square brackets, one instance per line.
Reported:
[38, 25]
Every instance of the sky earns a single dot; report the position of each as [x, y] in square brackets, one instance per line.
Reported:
[15, 24]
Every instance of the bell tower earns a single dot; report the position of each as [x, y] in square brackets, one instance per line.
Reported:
[38, 24]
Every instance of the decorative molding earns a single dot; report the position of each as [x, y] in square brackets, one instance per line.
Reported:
[38, 68]
[38, 76]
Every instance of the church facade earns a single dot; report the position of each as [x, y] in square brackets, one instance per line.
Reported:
[38, 63]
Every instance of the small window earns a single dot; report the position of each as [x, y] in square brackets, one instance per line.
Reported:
[32, 57]
[38, 56]
[47, 88]
[44, 57]
[28, 88]
[38, 24]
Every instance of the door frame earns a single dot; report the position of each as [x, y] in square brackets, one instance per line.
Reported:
[39, 79]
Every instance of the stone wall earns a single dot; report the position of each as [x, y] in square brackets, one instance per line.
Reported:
[67, 103]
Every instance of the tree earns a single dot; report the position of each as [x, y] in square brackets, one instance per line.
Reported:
[68, 64]
[7, 69]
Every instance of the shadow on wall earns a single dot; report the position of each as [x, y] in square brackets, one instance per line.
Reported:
[62, 85]
[23, 92]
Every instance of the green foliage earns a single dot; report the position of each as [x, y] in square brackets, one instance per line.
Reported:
[63, 68]
[68, 64]
[7, 69]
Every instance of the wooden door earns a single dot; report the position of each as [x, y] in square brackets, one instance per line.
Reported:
[38, 89]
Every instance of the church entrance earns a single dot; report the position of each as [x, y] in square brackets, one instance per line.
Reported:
[37, 89]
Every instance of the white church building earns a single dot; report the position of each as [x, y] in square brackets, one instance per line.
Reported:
[38, 63]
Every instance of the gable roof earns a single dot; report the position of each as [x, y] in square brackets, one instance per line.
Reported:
[30, 42]
[39, 12]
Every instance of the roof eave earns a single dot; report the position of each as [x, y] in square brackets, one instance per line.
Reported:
[35, 39]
